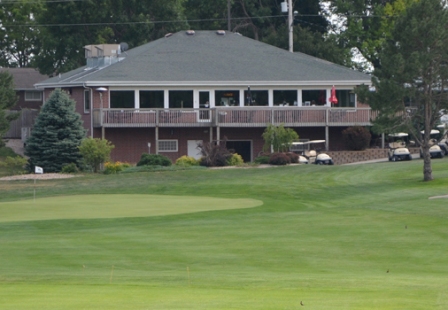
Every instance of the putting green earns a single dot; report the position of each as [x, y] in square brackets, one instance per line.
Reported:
[114, 206]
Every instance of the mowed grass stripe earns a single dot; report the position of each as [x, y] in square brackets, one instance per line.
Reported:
[114, 206]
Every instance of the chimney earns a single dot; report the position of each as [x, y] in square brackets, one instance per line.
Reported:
[102, 55]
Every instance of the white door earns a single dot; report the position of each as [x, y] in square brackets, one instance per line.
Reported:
[193, 149]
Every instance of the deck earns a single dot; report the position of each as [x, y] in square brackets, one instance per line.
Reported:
[233, 117]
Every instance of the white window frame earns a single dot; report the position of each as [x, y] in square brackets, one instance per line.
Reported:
[168, 145]
[28, 92]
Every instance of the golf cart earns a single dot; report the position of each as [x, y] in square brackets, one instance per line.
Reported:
[443, 143]
[314, 156]
[434, 148]
[299, 148]
[397, 147]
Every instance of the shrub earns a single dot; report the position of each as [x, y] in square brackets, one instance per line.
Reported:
[69, 168]
[235, 160]
[95, 152]
[293, 157]
[154, 160]
[14, 165]
[279, 159]
[115, 167]
[262, 160]
[356, 138]
[214, 154]
[185, 161]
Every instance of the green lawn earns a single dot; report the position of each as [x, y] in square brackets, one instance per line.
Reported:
[333, 237]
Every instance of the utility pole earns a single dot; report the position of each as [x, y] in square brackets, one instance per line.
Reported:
[229, 26]
[287, 7]
[290, 24]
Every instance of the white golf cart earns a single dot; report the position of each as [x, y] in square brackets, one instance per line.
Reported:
[313, 155]
[397, 147]
[443, 143]
[299, 148]
[434, 148]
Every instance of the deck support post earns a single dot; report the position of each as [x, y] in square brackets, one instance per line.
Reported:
[218, 133]
[157, 140]
[211, 134]
[103, 132]
[327, 138]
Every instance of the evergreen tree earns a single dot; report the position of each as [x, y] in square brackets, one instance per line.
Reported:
[412, 80]
[8, 98]
[57, 134]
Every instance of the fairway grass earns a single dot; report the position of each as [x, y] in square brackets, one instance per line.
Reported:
[114, 206]
[331, 237]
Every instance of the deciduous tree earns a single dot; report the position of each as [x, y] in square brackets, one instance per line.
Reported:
[411, 83]
[8, 98]
[95, 152]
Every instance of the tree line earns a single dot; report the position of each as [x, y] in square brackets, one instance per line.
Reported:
[50, 35]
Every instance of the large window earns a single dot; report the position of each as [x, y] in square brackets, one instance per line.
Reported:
[285, 97]
[86, 101]
[181, 99]
[151, 99]
[122, 99]
[256, 98]
[346, 99]
[33, 96]
[316, 97]
[227, 98]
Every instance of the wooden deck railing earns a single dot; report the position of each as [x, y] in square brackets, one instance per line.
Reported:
[233, 117]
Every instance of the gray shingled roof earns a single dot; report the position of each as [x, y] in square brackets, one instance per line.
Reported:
[207, 58]
[25, 78]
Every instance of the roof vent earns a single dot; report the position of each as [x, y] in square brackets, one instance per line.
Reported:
[168, 35]
[124, 46]
[190, 32]
[220, 32]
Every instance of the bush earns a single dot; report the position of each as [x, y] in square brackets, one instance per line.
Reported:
[356, 138]
[115, 167]
[186, 161]
[262, 160]
[154, 160]
[95, 152]
[279, 159]
[293, 157]
[14, 165]
[69, 168]
[235, 160]
[214, 154]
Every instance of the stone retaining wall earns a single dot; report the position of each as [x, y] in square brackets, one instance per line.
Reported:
[346, 157]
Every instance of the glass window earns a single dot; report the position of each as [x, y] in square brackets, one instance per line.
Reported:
[227, 98]
[181, 99]
[316, 97]
[86, 100]
[346, 99]
[151, 99]
[122, 99]
[33, 96]
[285, 97]
[167, 145]
[256, 98]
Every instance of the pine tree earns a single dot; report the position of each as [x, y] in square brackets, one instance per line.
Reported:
[57, 134]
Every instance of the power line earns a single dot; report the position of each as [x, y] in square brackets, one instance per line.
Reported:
[166, 21]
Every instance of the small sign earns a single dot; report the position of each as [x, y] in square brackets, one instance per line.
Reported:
[38, 170]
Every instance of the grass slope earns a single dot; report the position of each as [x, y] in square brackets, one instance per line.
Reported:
[339, 237]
